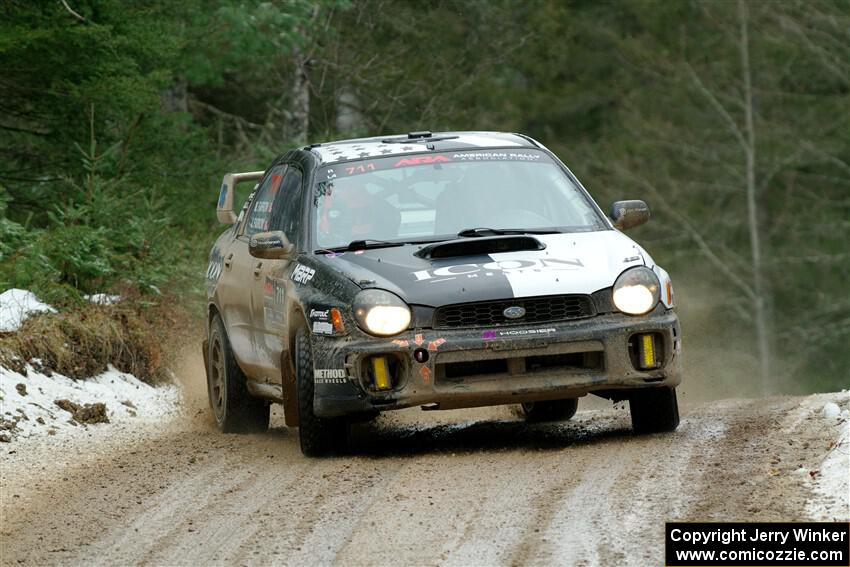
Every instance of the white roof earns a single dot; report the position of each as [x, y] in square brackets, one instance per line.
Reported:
[443, 141]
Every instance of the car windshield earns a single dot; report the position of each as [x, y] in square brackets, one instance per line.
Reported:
[435, 196]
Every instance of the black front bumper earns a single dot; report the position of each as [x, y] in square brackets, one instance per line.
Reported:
[477, 367]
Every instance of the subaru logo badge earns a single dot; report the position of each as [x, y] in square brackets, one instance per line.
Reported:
[514, 312]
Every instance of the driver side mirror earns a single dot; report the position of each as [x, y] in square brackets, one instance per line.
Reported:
[629, 214]
[272, 245]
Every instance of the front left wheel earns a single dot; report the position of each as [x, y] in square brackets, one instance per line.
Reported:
[234, 408]
[654, 410]
[319, 436]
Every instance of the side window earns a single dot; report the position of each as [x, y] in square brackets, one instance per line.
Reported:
[260, 216]
[288, 210]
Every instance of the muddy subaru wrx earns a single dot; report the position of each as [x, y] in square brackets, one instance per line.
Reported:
[443, 270]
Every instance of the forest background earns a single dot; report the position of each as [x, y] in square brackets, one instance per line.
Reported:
[731, 118]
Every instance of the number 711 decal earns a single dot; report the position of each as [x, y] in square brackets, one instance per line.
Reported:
[362, 168]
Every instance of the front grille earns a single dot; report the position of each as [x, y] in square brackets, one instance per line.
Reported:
[537, 310]
[527, 366]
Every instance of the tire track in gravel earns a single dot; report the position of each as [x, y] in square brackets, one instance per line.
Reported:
[327, 508]
[458, 488]
[606, 517]
[233, 502]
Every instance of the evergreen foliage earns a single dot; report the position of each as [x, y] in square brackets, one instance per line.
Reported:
[117, 120]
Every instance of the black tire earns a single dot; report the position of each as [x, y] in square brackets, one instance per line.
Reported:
[654, 410]
[235, 410]
[319, 436]
[553, 410]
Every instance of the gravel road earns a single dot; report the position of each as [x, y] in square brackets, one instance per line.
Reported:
[451, 488]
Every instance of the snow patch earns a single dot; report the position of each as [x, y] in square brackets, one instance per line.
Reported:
[830, 484]
[102, 299]
[28, 407]
[831, 410]
[16, 305]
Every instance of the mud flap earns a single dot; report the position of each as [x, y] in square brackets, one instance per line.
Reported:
[336, 392]
[289, 392]
[205, 345]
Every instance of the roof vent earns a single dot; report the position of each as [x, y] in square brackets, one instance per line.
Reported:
[478, 246]
[418, 138]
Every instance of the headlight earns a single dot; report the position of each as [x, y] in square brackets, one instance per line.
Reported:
[636, 291]
[381, 313]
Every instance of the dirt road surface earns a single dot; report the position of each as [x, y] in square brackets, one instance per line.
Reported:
[470, 487]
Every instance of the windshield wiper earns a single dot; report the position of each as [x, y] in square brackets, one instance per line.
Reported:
[483, 231]
[367, 244]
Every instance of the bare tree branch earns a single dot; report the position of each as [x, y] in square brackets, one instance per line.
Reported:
[721, 110]
[72, 12]
[689, 228]
[828, 60]
[767, 179]
[828, 157]
[221, 113]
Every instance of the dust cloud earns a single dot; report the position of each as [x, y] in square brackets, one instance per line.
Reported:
[190, 375]
[719, 350]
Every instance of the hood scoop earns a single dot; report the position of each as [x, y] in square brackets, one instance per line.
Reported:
[478, 246]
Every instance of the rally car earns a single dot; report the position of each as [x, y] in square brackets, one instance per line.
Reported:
[442, 270]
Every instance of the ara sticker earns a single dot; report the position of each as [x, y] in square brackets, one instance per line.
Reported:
[302, 274]
[421, 160]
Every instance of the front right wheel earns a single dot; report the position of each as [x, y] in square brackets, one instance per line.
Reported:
[654, 410]
[318, 436]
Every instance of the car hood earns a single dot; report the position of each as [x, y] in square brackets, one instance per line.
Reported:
[570, 263]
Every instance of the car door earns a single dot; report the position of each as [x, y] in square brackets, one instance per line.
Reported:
[233, 301]
[239, 276]
[271, 285]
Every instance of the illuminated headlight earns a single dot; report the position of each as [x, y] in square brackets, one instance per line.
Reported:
[381, 313]
[636, 291]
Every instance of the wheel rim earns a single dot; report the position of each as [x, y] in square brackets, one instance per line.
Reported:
[217, 380]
